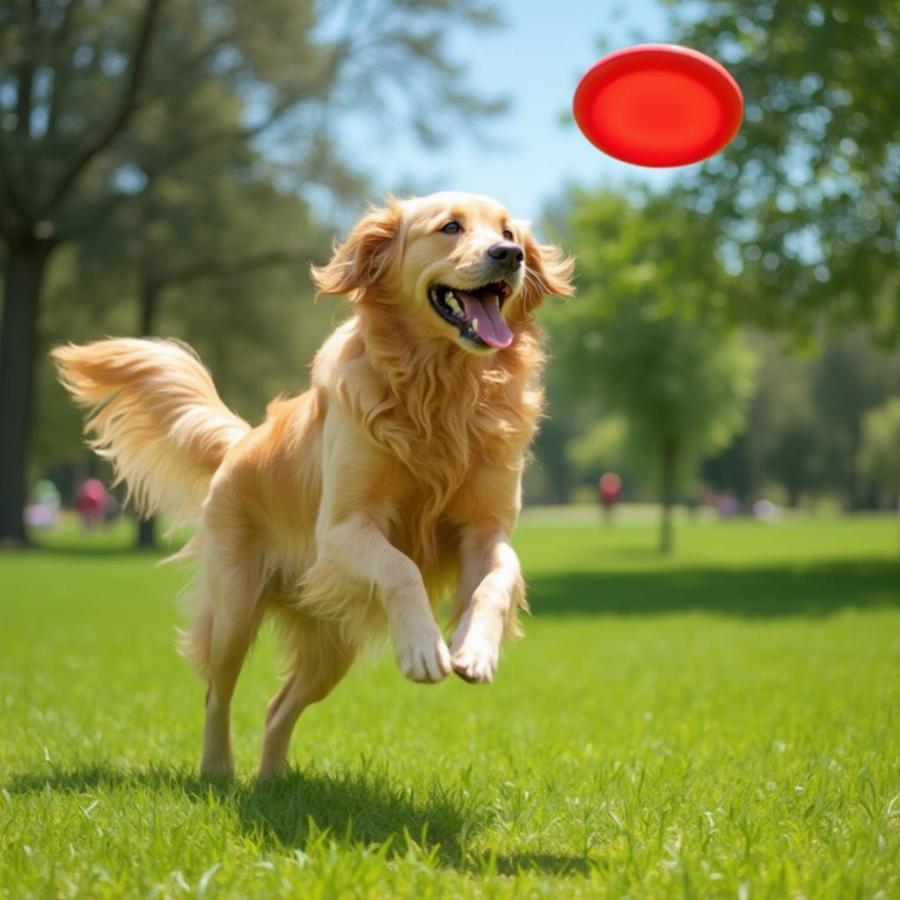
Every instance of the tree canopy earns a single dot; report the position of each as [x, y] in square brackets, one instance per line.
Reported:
[681, 381]
[806, 199]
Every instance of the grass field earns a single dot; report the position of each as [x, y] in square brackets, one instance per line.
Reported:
[725, 723]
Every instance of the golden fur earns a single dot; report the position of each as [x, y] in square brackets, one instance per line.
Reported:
[354, 506]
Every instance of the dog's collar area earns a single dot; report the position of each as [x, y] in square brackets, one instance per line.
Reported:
[475, 313]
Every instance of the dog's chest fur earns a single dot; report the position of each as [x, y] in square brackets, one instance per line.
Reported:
[442, 424]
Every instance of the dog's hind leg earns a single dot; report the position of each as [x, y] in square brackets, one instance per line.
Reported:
[231, 589]
[320, 659]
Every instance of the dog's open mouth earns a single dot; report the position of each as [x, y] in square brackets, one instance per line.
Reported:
[476, 312]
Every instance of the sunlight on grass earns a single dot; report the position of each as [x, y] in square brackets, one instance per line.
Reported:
[722, 723]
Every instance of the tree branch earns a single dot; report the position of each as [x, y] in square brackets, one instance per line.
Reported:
[61, 71]
[25, 85]
[126, 108]
[186, 151]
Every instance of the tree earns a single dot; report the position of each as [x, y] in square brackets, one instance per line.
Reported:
[215, 219]
[849, 379]
[604, 447]
[807, 197]
[780, 440]
[84, 87]
[681, 382]
[804, 425]
[682, 387]
[880, 451]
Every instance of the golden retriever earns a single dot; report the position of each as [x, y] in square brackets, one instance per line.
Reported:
[357, 504]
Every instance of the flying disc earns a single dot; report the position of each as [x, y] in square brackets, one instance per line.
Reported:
[658, 105]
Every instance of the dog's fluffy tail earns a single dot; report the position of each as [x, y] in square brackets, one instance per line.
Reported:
[155, 415]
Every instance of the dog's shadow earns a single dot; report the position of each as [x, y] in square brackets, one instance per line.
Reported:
[361, 809]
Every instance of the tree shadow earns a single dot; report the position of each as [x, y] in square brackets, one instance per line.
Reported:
[357, 809]
[817, 589]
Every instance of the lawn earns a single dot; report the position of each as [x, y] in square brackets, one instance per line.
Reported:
[724, 723]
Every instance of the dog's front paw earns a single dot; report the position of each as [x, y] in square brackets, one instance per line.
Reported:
[475, 660]
[425, 659]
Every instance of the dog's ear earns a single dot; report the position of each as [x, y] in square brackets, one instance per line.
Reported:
[364, 257]
[548, 271]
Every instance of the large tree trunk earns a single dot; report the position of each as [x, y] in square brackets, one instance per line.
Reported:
[26, 263]
[668, 465]
[150, 291]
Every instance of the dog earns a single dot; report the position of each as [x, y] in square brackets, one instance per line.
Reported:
[357, 505]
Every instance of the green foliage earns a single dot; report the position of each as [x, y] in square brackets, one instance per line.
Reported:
[672, 379]
[806, 199]
[601, 448]
[805, 423]
[716, 725]
[851, 378]
[644, 336]
[781, 440]
[881, 448]
[655, 303]
[97, 101]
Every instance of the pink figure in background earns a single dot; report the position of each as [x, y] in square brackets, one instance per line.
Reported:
[609, 489]
[728, 506]
[91, 501]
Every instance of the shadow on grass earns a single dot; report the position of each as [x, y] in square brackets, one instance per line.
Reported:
[355, 809]
[816, 589]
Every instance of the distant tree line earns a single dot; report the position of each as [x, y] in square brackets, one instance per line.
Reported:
[740, 329]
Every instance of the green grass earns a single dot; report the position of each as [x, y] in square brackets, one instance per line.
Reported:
[725, 723]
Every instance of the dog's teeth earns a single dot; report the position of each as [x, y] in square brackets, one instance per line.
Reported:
[475, 325]
[453, 303]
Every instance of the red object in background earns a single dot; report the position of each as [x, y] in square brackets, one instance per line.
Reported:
[658, 105]
[91, 499]
[610, 489]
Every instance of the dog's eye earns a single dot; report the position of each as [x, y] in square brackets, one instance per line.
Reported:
[452, 227]
[507, 235]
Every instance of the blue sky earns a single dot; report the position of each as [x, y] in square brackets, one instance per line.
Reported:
[536, 61]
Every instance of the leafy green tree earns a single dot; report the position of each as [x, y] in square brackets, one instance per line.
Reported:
[98, 100]
[603, 447]
[880, 452]
[681, 385]
[795, 459]
[804, 426]
[806, 199]
[849, 379]
[780, 438]
[681, 382]
[218, 221]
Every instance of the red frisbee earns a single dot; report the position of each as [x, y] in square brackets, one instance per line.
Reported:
[658, 105]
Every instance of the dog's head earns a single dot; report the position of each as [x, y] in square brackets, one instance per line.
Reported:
[454, 266]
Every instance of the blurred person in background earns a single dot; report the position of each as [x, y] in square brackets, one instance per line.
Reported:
[43, 511]
[609, 490]
[91, 502]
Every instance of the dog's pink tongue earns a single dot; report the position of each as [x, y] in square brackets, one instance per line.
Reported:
[492, 327]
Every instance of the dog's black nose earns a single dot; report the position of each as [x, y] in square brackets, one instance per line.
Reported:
[507, 254]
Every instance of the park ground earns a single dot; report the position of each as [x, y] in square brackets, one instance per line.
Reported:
[721, 723]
